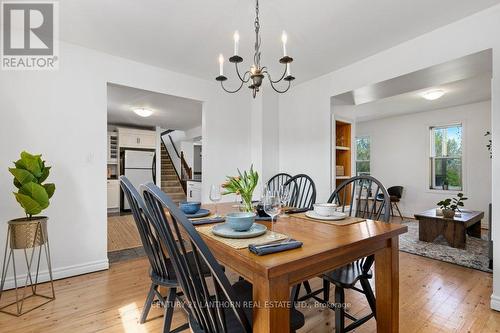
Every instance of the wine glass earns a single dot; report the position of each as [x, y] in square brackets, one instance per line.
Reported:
[215, 196]
[272, 203]
[284, 194]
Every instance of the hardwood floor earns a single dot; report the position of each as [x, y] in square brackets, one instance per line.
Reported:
[434, 297]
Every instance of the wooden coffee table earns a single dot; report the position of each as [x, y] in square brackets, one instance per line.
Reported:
[431, 226]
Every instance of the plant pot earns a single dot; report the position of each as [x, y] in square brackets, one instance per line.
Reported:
[445, 187]
[448, 213]
[27, 233]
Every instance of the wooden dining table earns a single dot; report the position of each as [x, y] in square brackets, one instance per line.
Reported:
[325, 247]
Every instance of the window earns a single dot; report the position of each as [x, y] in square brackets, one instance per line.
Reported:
[363, 156]
[446, 158]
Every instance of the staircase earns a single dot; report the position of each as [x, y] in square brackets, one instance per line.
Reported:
[170, 183]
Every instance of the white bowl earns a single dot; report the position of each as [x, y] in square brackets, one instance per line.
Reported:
[325, 209]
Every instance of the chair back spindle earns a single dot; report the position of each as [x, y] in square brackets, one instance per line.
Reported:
[303, 191]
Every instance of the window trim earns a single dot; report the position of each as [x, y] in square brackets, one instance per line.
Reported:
[430, 183]
[356, 154]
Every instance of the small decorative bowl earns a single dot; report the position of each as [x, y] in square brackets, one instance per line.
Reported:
[241, 221]
[190, 207]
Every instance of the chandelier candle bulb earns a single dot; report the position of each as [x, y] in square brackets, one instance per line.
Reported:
[288, 69]
[221, 64]
[284, 39]
[236, 37]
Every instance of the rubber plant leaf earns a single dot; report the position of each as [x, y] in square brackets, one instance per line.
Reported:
[32, 163]
[36, 192]
[50, 188]
[22, 176]
[30, 206]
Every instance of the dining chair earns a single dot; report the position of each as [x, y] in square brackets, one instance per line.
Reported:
[277, 181]
[162, 272]
[213, 307]
[355, 197]
[303, 191]
[395, 195]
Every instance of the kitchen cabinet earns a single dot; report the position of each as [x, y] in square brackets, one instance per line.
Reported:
[113, 195]
[136, 138]
[193, 191]
[112, 147]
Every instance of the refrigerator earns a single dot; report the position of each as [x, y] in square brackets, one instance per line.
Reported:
[139, 167]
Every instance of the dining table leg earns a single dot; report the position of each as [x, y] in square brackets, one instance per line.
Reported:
[271, 312]
[387, 287]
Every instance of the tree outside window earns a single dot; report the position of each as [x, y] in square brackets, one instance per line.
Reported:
[363, 156]
[446, 158]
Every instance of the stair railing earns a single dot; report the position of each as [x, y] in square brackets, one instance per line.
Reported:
[183, 183]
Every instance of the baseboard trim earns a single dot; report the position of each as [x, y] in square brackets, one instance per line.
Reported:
[61, 273]
[495, 302]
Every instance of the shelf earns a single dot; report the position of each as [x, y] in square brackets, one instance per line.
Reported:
[342, 148]
[342, 177]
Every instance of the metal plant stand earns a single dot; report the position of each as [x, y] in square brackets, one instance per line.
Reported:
[23, 235]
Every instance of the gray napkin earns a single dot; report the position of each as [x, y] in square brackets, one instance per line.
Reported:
[208, 221]
[284, 245]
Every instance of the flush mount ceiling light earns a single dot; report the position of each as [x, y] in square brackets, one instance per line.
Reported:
[432, 95]
[257, 72]
[143, 112]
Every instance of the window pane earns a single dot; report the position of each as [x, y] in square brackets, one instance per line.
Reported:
[363, 168]
[448, 171]
[363, 149]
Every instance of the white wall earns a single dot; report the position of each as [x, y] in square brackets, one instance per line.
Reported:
[400, 155]
[62, 114]
[304, 139]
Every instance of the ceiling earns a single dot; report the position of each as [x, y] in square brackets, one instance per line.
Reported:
[461, 92]
[187, 36]
[464, 80]
[169, 112]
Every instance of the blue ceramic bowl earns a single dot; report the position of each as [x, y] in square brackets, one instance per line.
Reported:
[190, 207]
[241, 221]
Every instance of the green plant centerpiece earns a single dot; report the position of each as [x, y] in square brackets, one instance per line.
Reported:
[452, 205]
[33, 194]
[244, 184]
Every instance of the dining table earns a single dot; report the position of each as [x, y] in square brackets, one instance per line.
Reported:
[325, 247]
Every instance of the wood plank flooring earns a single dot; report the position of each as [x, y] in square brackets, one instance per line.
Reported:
[434, 297]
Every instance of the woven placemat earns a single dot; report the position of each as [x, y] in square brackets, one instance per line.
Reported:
[241, 243]
[347, 221]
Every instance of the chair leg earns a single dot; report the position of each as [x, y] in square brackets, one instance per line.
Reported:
[339, 310]
[400, 215]
[295, 292]
[307, 286]
[392, 209]
[326, 291]
[169, 309]
[147, 304]
[367, 288]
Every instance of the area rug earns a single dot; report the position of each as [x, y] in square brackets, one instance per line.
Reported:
[474, 256]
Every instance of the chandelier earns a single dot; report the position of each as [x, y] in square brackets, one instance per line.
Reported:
[256, 73]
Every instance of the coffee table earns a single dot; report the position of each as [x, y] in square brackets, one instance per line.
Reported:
[454, 230]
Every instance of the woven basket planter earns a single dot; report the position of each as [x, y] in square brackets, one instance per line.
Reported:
[25, 234]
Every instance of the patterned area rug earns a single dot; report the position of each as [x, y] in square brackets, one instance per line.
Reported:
[474, 256]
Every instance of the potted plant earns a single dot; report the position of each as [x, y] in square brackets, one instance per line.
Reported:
[451, 205]
[243, 185]
[30, 173]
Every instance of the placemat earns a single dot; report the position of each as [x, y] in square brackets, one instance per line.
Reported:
[347, 221]
[240, 243]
